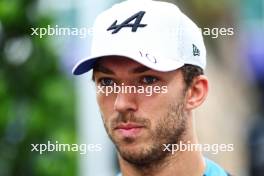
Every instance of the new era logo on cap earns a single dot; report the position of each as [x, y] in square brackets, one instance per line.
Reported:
[196, 51]
[146, 25]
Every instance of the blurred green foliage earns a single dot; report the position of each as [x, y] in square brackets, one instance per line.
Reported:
[36, 97]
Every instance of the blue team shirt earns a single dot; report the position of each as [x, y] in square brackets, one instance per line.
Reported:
[212, 169]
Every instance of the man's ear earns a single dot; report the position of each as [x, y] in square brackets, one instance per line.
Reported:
[197, 92]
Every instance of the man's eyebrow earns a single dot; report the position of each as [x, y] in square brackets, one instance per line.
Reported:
[140, 69]
[101, 68]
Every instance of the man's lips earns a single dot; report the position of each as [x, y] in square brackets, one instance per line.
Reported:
[129, 129]
[128, 126]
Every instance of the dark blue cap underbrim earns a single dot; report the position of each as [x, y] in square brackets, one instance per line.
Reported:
[84, 67]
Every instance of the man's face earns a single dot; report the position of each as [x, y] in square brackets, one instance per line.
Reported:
[138, 124]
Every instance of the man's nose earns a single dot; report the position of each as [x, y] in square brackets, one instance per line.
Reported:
[125, 102]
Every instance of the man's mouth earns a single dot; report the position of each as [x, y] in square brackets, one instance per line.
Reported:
[129, 129]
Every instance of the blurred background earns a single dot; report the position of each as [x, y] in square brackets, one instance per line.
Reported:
[41, 101]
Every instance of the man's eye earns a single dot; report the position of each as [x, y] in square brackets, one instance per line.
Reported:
[149, 79]
[106, 82]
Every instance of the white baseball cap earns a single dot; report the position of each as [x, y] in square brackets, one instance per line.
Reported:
[153, 33]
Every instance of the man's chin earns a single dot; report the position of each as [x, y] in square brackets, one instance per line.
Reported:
[140, 155]
[131, 153]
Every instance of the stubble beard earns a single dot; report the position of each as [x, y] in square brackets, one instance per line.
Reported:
[169, 130]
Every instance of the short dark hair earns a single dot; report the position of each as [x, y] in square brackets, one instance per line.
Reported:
[190, 72]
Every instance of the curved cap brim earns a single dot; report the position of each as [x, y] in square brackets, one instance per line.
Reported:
[87, 64]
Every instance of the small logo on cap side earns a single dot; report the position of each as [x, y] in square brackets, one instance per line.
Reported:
[148, 56]
[138, 17]
[196, 51]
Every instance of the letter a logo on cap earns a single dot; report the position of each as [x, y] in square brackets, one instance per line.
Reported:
[138, 16]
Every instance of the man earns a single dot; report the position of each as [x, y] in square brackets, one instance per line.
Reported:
[149, 45]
